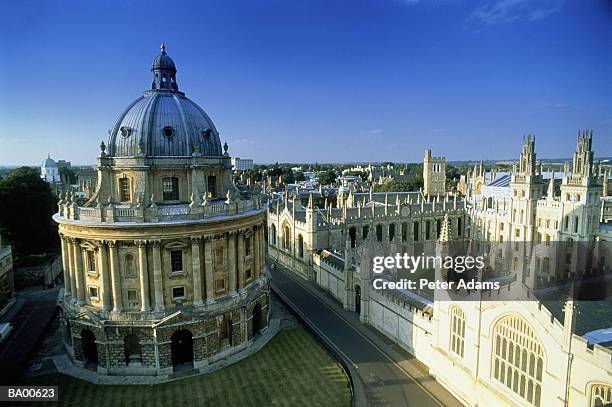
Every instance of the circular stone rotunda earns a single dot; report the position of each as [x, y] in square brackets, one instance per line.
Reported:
[164, 264]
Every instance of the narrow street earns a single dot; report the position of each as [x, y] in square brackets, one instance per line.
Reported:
[388, 375]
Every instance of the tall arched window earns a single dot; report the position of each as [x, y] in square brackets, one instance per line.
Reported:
[300, 246]
[379, 233]
[457, 333]
[273, 234]
[601, 395]
[364, 232]
[286, 237]
[391, 232]
[518, 358]
[353, 236]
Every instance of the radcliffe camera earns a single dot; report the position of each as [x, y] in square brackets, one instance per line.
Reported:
[314, 203]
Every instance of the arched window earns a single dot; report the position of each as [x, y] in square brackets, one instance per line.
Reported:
[300, 246]
[457, 332]
[353, 236]
[404, 231]
[379, 233]
[273, 234]
[601, 395]
[391, 232]
[518, 358]
[364, 232]
[286, 237]
[130, 270]
[170, 189]
[459, 225]
[125, 190]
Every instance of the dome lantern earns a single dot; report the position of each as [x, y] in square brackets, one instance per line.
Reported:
[164, 71]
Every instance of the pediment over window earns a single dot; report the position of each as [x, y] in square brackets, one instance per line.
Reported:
[176, 245]
[89, 316]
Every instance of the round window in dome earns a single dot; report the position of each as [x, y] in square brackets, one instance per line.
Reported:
[125, 132]
[168, 131]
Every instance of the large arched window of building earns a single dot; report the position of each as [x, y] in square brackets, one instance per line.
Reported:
[286, 237]
[364, 232]
[273, 234]
[457, 331]
[601, 395]
[391, 232]
[170, 188]
[300, 246]
[518, 358]
[404, 231]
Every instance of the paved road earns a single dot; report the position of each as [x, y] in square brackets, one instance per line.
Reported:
[32, 315]
[385, 375]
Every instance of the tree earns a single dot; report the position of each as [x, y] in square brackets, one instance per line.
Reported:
[68, 174]
[327, 177]
[27, 206]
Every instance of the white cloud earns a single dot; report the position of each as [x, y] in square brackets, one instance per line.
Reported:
[505, 11]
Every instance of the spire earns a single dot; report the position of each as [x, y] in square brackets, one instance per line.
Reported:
[445, 231]
[551, 187]
[310, 205]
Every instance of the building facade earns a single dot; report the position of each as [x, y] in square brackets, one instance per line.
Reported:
[164, 264]
[7, 280]
[242, 164]
[520, 352]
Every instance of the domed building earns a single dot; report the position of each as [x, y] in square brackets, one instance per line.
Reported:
[164, 265]
[49, 171]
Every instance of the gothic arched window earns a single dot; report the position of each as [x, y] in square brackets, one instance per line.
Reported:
[601, 395]
[457, 332]
[518, 358]
[273, 234]
[300, 246]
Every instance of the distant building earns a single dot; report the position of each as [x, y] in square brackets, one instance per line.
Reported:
[7, 283]
[242, 164]
[434, 174]
[63, 164]
[49, 171]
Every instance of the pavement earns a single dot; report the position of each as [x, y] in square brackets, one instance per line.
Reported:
[31, 315]
[387, 375]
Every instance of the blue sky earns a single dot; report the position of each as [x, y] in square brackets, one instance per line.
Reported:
[314, 80]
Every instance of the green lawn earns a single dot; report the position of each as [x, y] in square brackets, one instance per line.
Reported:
[291, 370]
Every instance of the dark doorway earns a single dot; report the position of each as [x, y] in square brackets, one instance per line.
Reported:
[90, 349]
[256, 320]
[131, 345]
[182, 349]
[358, 299]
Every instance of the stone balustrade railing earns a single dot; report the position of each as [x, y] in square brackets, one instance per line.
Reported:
[158, 213]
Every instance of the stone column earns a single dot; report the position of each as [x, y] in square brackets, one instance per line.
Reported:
[256, 255]
[66, 266]
[262, 248]
[240, 259]
[104, 276]
[208, 269]
[115, 277]
[195, 269]
[79, 276]
[231, 261]
[157, 276]
[71, 266]
[144, 276]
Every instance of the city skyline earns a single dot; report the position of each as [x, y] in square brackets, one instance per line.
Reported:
[316, 82]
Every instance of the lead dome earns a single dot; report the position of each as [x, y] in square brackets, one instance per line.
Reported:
[163, 122]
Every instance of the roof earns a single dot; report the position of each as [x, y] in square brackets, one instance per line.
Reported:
[164, 122]
[49, 162]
